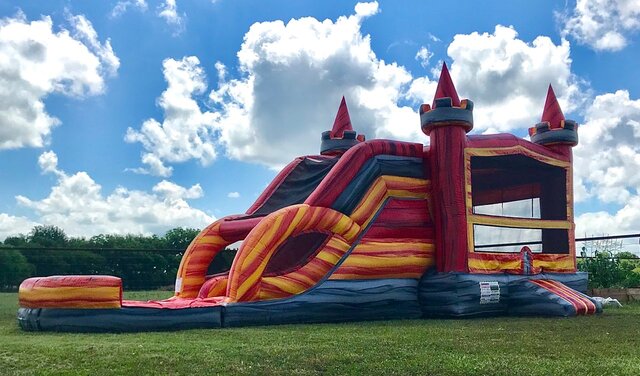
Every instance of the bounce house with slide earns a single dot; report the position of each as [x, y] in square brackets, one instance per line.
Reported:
[469, 225]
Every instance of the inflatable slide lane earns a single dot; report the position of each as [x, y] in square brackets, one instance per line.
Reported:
[370, 230]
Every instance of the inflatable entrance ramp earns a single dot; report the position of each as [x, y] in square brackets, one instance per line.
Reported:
[368, 230]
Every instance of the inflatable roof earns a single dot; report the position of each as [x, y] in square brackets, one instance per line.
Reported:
[470, 225]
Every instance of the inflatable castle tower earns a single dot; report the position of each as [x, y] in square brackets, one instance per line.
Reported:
[473, 179]
[467, 226]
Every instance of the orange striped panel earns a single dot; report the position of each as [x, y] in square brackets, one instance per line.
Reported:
[71, 292]
[487, 263]
[554, 263]
[388, 186]
[493, 262]
[389, 258]
[581, 304]
[195, 262]
[215, 286]
[270, 233]
[307, 275]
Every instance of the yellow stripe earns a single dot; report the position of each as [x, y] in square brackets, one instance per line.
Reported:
[211, 239]
[64, 293]
[363, 209]
[405, 180]
[329, 257]
[377, 246]
[404, 193]
[383, 261]
[493, 265]
[385, 274]
[517, 222]
[288, 285]
[557, 264]
[73, 304]
[193, 280]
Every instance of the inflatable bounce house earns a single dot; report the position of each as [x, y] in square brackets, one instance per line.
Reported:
[470, 225]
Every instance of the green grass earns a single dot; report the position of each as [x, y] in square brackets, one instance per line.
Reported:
[608, 344]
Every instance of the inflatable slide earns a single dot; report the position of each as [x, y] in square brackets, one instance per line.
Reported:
[467, 226]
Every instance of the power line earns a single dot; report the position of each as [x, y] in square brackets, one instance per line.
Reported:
[577, 240]
[159, 250]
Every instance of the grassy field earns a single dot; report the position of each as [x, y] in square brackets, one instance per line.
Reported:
[608, 344]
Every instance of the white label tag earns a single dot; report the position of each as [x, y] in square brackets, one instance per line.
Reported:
[489, 292]
[178, 284]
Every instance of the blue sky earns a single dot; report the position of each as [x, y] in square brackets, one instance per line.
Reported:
[141, 115]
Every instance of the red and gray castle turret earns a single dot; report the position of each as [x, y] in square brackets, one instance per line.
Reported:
[342, 136]
[447, 109]
[553, 130]
[446, 122]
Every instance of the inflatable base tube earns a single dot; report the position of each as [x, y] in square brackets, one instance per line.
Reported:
[469, 295]
[333, 301]
[127, 319]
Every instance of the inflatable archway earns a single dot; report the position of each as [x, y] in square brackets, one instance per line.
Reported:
[469, 225]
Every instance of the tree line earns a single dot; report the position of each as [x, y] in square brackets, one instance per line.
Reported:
[142, 261]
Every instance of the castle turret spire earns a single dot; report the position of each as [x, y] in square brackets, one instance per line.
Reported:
[341, 136]
[446, 88]
[447, 109]
[553, 130]
[552, 112]
[342, 122]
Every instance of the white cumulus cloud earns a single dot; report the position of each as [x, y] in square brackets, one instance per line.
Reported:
[603, 25]
[77, 204]
[11, 225]
[233, 195]
[186, 131]
[36, 62]
[607, 160]
[83, 31]
[507, 77]
[121, 7]
[423, 56]
[169, 12]
[290, 80]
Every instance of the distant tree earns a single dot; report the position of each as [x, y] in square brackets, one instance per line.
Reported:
[180, 238]
[78, 243]
[17, 241]
[48, 236]
[126, 241]
[626, 255]
[14, 268]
